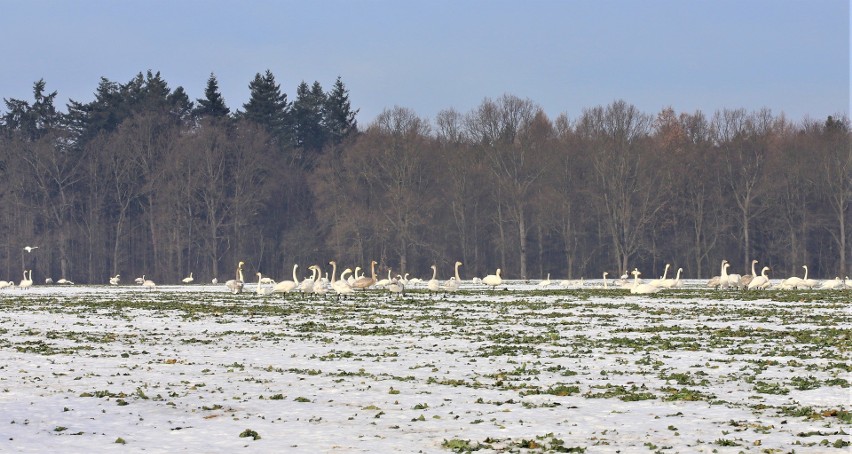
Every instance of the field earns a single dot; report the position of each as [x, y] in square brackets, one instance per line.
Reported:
[519, 369]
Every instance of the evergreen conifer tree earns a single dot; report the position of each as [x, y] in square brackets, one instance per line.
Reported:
[268, 107]
[339, 116]
[213, 104]
[308, 113]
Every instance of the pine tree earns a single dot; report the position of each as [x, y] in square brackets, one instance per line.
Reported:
[32, 121]
[213, 104]
[269, 108]
[339, 116]
[308, 109]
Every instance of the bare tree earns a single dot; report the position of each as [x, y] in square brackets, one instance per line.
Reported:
[55, 170]
[399, 156]
[837, 165]
[617, 139]
[123, 172]
[514, 137]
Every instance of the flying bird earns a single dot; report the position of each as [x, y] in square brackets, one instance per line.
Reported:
[30, 248]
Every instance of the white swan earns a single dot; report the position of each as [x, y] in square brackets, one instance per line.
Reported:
[454, 283]
[26, 282]
[828, 285]
[355, 276]
[236, 285]
[746, 279]
[288, 286]
[639, 288]
[148, 283]
[734, 279]
[307, 285]
[760, 282]
[493, 280]
[672, 283]
[188, 279]
[139, 280]
[729, 280]
[366, 282]
[433, 285]
[809, 283]
[319, 282]
[266, 280]
[659, 282]
[61, 281]
[341, 286]
[260, 290]
[545, 282]
[605, 274]
[4, 284]
[794, 281]
[30, 248]
[382, 283]
[115, 280]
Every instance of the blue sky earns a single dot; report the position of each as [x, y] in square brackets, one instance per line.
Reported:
[792, 56]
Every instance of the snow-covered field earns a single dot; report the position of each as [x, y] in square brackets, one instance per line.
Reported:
[521, 369]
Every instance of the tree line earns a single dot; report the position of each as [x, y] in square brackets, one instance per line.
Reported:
[143, 180]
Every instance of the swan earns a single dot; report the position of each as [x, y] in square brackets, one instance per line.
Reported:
[476, 280]
[236, 285]
[545, 282]
[341, 286]
[728, 280]
[266, 280]
[733, 279]
[4, 284]
[493, 280]
[639, 288]
[139, 280]
[678, 283]
[48, 281]
[188, 279]
[745, 280]
[433, 284]
[714, 282]
[351, 279]
[659, 282]
[605, 274]
[319, 282]
[396, 286]
[568, 283]
[760, 282]
[795, 281]
[214, 281]
[828, 285]
[260, 290]
[26, 282]
[454, 283]
[623, 278]
[288, 286]
[809, 283]
[115, 280]
[30, 248]
[382, 283]
[717, 281]
[307, 285]
[61, 281]
[148, 283]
